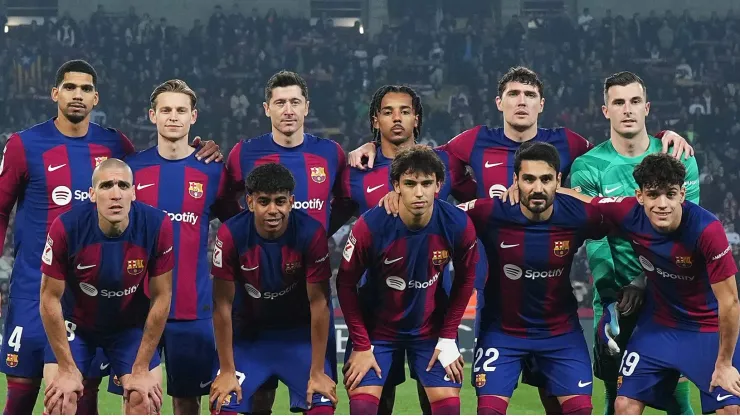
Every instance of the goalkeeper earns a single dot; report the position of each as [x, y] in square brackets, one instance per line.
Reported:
[606, 171]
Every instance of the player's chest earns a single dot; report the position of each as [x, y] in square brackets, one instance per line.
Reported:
[186, 194]
[518, 250]
[665, 261]
[617, 181]
[273, 271]
[307, 168]
[108, 264]
[413, 257]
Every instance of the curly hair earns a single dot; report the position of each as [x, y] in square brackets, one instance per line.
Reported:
[659, 171]
[270, 178]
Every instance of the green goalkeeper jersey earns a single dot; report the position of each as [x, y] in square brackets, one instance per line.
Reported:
[604, 172]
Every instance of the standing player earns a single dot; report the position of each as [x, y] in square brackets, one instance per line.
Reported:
[96, 264]
[169, 177]
[606, 171]
[280, 260]
[47, 170]
[316, 164]
[412, 314]
[690, 320]
[529, 310]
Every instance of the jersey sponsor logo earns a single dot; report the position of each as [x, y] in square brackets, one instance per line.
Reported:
[82, 195]
[646, 264]
[491, 165]
[88, 289]
[135, 267]
[315, 203]
[119, 293]
[47, 256]
[373, 188]
[683, 262]
[515, 272]
[11, 360]
[440, 257]
[52, 168]
[139, 186]
[61, 195]
[291, 267]
[100, 159]
[496, 191]
[415, 284]
[349, 248]
[722, 254]
[561, 248]
[185, 217]
[195, 189]
[395, 282]
[253, 292]
[673, 276]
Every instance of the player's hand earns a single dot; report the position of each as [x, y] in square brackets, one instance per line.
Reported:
[630, 300]
[727, 377]
[390, 202]
[147, 385]
[608, 328]
[359, 363]
[511, 194]
[221, 389]
[66, 387]
[449, 356]
[321, 384]
[681, 147]
[208, 150]
[355, 157]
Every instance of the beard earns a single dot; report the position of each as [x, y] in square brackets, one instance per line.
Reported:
[537, 209]
[75, 118]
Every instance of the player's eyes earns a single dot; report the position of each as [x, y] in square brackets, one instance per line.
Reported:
[87, 89]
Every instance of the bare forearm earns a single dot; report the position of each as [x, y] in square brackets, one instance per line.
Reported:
[56, 332]
[223, 330]
[153, 329]
[319, 334]
[729, 326]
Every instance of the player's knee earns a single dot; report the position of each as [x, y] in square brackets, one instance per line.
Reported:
[550, 403]
[626, 406]
[729, 410]
[578, 405]
[387, 400]
[186, 405]
[136, 404]
[363, 404]
[492, 405]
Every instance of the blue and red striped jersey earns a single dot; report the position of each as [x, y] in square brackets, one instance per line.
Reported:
[491, 154]
[680, 266]
[191, 193]
[404, 272]
[528, 292]
[271, 275]
[47, 173]
[105, 276]
[367, 187]
[316, 165]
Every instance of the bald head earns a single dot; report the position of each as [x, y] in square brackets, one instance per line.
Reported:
[109, 164]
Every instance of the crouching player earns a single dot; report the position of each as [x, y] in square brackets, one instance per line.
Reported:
[280, 260]
[97, 261]
[406, 258]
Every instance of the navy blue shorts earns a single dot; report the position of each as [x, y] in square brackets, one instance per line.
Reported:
[24, 340]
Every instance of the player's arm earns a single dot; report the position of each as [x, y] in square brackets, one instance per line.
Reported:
[577, 144]
[160, 294]
[464, 261]
[355, 261]
[13, 178]
[343, 208]
[464, 187]
[692, 180]
[234, 185]
[227, 203]
[681, 146]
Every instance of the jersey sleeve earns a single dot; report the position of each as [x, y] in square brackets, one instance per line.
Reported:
[614, 209]
[340, 189]
[126, 145]
[463, 185]
[717, 252]
[13, 177]
[317, 257]
[692, 180]
[465, 261]
[355, 261]
[227, 204]
[479, 212]
[225, 255]
[164, 257]
[577, 144]
[461, 146]
[54, 257]
[234, 174]
[582, 179]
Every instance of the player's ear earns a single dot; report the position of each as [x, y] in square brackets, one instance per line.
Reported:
[605, 112]
[397, 187]
[96, 98]
[93, 197]
[560, 180]
[438, 187]
[376, 125]
[514, 178]
[308, 103]
[542, 105]
[193, 116]
[647, 107]
[498, 103]
[55, 94]
[250, 203]
[267, 109]
[133, 193]
[152, 116]
[683, 194]
[291, 200]
[639, 196]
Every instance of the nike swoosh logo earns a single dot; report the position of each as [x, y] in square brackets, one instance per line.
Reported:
[249, 269]
[610, 190]
[139, 187]
[205, 384]
[720, 397]
[504, 245]
[81, 267]
[53, 168]
[636, 243]
[490, 165]
[386, 261]
[104, 366]
[374, 188]
[324, 400]
[446, 378]
[582, 384]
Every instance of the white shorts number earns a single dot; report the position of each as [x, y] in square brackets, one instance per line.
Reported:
[15, 338]
[629, 362]
[492, 353]
[71, 327]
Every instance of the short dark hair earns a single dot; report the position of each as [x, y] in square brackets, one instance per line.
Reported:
[537, 151]
[417, 158]
[622, 78]
[522, 75]
[270, 178]
[660, 171]
[378, 99]
[285, 79]
[173, 85]
[76, 65]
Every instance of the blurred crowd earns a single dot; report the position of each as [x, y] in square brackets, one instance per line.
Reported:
[691, 67]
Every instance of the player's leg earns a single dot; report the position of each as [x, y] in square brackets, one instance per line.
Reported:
[566, 365]
[264, 397]
[426, 407]
[23, 355]
[532, 376]
[443, 393]
[99, 368]
[702, 349]
[83, 353]
[497, 364]
[189, 353]
[365, 399]
[682, 398]
[396, 375]
[606, 366]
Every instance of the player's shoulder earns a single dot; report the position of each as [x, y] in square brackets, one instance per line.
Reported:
[699, 216]
[474, 133]
[450, 215]
[572, 207]
[321, 144]
[599, 155]
[147, 156]
[79, 214]
[239, 221]
[304, 225]
[104, 132]
[257, 142]
[377, 219]
[149, 214]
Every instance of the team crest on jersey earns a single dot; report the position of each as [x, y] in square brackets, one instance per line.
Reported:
[292, 266]
[480, 380]
[440, 257]
[619, 382]
[683, 261]
[11, 360]
[100, 159]
[561, 248]
[195, 189]
[135, 267]
[318, 174]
